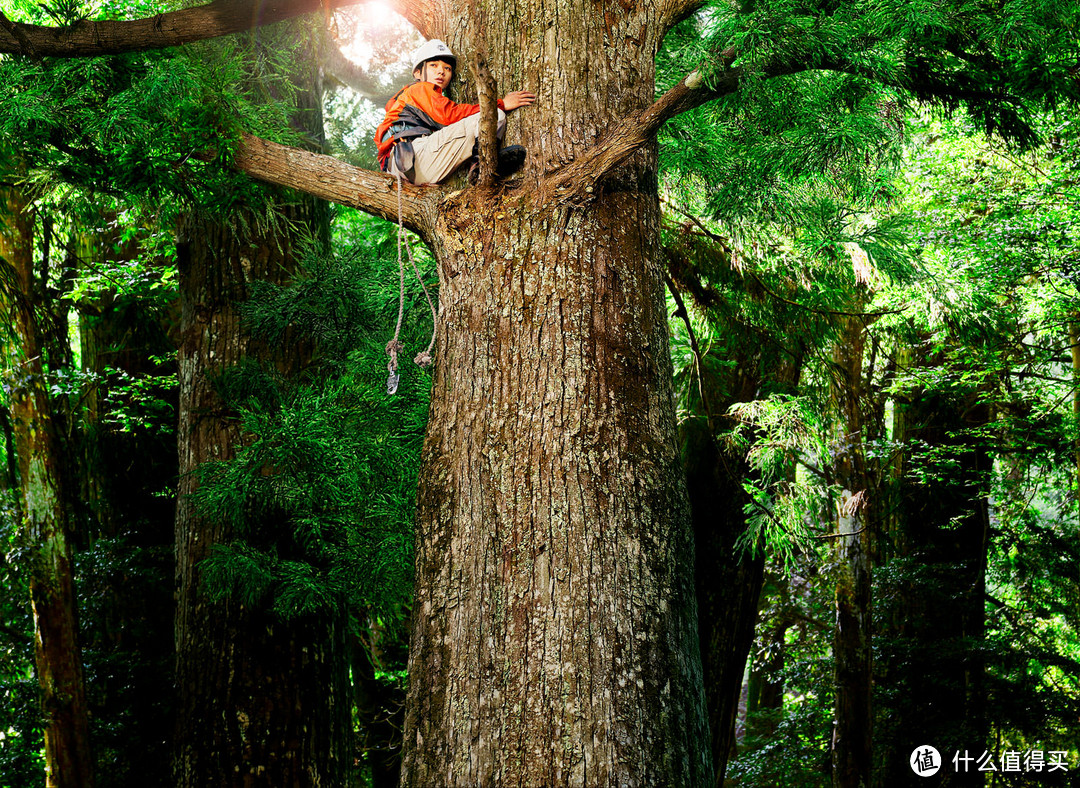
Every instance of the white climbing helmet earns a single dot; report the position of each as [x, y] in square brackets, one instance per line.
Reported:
[432, 50]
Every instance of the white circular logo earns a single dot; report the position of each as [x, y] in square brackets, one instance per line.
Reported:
[925, 761]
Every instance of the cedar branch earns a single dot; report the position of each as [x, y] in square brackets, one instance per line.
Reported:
[111, 37]
[639, 128]
[334, 180]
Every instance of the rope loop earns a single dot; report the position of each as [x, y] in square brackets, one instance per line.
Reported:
[424, 358]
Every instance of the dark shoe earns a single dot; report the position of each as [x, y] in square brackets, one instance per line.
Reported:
[510, 160]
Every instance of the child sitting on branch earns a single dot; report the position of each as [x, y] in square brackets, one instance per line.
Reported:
[425, 136]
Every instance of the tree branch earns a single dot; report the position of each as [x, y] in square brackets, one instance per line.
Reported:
[26, 46]
[489, 119]
[112, 37]
[351, 75]
[638, 129]
[675, 11]
[334, 180]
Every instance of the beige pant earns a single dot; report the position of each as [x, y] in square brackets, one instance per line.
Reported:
[440, 153]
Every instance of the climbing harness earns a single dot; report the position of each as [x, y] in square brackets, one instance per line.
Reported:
[423, 359]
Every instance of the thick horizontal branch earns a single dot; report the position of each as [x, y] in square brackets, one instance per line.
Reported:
[332, 179]
[111, 37]
[640, 128]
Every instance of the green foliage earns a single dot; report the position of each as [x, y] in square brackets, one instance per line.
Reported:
[793, 752]
[1004, 62]
[151, 125]
[813, 200]
[21, 734]
[787, 739]
[786, 505]
[323, 491]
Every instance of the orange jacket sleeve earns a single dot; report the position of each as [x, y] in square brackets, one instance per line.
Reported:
[430, 100]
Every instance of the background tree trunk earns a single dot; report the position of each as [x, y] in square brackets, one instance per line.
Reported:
[52, 588]
[262, 701]
[933, 646]
[729, 581]
[852, 734]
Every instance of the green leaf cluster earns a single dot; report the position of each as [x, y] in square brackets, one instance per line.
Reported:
[321, 495]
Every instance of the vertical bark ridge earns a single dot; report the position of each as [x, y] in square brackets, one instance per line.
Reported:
[554, 536]
[259, 703]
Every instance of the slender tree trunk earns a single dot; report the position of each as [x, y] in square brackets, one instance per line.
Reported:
[728, 580]
[1074, 348]
[52, 589]
[852, 734]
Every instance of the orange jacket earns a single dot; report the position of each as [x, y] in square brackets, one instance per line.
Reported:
[420, 104]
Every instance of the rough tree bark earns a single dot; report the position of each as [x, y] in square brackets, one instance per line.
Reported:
[262, 701]
[852, 732]
[52, 589]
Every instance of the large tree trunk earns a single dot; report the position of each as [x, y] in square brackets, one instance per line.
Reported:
[933, 647]
[52, 588]
[555, 634]
[262, 701]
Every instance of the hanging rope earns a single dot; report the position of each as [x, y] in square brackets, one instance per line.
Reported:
[394, 346]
